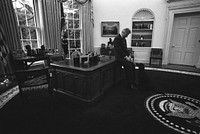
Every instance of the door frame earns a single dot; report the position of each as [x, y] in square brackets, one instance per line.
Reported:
[174, 8]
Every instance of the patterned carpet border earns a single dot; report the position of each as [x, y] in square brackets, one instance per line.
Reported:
[8, 95]
[178, 112]
[173, 71]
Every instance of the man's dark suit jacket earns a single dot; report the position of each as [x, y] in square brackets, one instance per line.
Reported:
[120, 47]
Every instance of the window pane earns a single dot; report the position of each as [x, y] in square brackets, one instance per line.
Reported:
[31, 21]
[76, 15]
[26, 43]
[65, 24]
[72, 45]
[66, 15]
[70, 24]
[71, 34]
[34, 44]
[77, 34]
[65, 34]
[70, 15]
[76, 24]
[25, 33]
[28, 5]
[22, 19]
[75, 6]
[18, 6]
[33, 33]
[78, 44]
[29, 10]
[65, 5]
[70, 3]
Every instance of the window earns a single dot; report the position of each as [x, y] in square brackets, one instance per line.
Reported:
[29, 29]
[71, 27]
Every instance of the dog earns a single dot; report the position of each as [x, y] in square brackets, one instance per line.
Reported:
[144, 82]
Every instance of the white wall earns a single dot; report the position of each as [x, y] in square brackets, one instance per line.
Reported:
[123, 11]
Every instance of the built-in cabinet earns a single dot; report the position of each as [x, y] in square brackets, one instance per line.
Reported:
[142, 28]
[142, 33]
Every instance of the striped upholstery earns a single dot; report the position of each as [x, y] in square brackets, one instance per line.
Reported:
[33, 81]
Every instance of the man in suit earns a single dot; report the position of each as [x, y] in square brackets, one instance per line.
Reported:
[123, 57]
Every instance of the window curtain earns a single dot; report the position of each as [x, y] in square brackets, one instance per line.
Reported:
[51, 24]
[9, 40]
[5, 67]
[87, 27]
[9, 24]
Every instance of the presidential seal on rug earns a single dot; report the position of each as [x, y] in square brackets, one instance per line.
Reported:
[178, 112]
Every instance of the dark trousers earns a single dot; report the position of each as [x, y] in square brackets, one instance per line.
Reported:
[129, 68]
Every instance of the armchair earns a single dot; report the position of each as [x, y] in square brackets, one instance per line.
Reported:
[34, 81]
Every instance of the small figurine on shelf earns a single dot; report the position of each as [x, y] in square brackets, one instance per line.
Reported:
[151, 26]
[141, 37]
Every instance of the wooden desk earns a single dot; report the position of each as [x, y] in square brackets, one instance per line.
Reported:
[23, 63]
[85, 82]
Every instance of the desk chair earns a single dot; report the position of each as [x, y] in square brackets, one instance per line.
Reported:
[33, 82]
[156, 54]
[55, 58]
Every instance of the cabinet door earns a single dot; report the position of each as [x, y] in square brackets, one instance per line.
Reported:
[96, 83]
[107, 78]
[70, 83]
[59, 81]
[79, 83]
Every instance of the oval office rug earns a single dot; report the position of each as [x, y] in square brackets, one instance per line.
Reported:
[8, 95]
[178, 112]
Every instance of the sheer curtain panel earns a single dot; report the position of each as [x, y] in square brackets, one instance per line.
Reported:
[9, 24]
[87, 26]
[10, 40]
[51, 24]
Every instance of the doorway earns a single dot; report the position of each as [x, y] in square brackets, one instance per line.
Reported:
[185, 41]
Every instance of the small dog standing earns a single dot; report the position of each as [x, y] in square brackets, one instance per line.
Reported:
[145, 83]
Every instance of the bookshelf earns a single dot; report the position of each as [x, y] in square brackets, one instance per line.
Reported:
[142, 33]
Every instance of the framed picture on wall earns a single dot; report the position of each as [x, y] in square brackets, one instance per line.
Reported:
[109, 28]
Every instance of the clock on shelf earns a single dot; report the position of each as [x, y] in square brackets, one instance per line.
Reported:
[81, 1]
